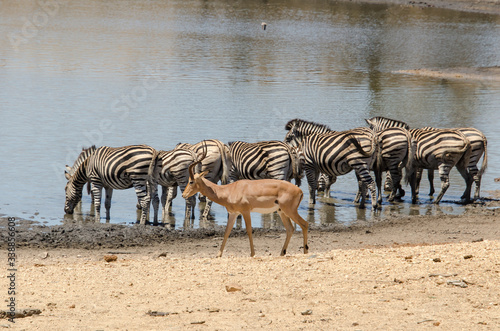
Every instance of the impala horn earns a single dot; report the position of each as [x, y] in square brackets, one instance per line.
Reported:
[198, 160]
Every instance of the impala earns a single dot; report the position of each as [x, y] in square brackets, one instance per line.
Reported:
[245, 196]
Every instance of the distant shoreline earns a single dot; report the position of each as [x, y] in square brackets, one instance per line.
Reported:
[474, 6]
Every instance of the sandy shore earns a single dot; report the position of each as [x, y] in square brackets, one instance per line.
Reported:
[399, 273]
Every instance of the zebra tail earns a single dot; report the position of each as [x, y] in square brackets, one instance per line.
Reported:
[360, 149]
[409, 167]
[226, 163]
[467, 149]
[153, 172]
[485, 159]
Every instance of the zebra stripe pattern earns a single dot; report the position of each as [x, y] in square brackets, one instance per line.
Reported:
[217, 162]
[299, 129]
[172, 171]
[265, 159]
[85, 153]
[337, 153]
[114, 168]
[395, 149]
[440, 149]
[380, 123]
[479, 146]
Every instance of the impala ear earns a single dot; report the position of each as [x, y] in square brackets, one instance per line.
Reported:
[204, 173]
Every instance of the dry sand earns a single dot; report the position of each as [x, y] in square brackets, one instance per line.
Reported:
[401, 273]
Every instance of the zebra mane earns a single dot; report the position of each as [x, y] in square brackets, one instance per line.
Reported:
[300, 122]
[385, 120]
[84, 154]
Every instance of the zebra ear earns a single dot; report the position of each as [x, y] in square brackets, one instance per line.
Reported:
[68, 168]
[67, 175]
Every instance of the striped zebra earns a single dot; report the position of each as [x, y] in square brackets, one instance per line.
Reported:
[479, 146]
[172, 170]
[394, 146]
[84, 154]
[114, 169]
[441, 150]
[217, 162]
[378, 124]
[337, 153]
[265, 159]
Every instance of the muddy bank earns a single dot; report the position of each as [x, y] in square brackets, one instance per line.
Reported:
[480, 220]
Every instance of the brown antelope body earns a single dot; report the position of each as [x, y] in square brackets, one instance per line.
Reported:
[246, 196]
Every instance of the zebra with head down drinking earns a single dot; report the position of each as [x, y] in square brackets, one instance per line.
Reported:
[114, 168]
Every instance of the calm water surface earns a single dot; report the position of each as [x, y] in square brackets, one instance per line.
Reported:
[162, 72]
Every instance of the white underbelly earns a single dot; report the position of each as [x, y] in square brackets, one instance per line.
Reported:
[265, 210]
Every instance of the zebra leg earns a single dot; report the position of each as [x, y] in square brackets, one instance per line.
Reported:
[378, 181]
[418, 178]
[444, 172]
[474, 173]
[364, 174]
[389, 184]
[97, 191]
[414, 187]
[206, 211]
[397, 184]
[361, 194]
[190, 204]
[144, 198]
[312, 179]
[468, 183]
[430, 176]
[168, 194]
[155, 201]
[107, 202]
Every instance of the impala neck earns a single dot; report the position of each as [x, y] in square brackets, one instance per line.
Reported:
[214, 192]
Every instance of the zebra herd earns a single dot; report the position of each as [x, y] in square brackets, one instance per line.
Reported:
[323, 154]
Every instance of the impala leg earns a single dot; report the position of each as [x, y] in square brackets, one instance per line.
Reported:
[107, 202]
[248, 226]
[230, 223]
[294, 215]
[289, 230]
